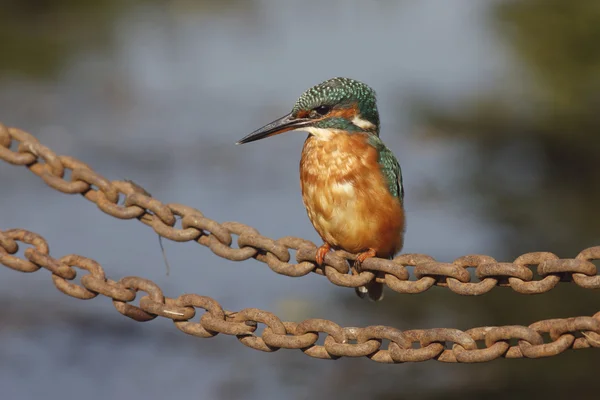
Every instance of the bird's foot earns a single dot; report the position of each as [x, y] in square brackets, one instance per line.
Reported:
[372, 289]
[321, 252]
[361, 257]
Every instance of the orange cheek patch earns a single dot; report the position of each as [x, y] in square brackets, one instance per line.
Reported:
[302, 114]
[347, 113]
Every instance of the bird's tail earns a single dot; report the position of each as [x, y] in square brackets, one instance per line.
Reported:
[373, 289]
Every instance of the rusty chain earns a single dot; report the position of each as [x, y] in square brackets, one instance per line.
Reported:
[445, 345]
[126, 200]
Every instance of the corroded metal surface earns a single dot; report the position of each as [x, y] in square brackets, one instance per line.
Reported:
[445, 345]
[126, 200]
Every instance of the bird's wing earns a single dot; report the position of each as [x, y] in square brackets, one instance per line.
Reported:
[390, 168]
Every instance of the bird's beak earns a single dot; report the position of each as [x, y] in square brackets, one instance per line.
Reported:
[286, 123]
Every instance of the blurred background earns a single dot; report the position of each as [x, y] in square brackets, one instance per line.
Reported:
[490, 106]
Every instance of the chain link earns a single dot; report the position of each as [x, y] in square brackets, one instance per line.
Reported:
[126, 200]
[445, 345]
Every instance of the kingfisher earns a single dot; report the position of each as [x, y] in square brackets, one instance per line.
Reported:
[351, 182]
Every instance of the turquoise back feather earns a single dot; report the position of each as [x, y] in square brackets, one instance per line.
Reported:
[390, 167]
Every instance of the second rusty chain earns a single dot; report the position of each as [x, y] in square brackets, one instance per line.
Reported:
[541, 339]
[218, 237]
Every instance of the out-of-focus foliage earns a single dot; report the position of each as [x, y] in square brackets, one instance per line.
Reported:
[536, 137]
[558, 41]
[39, 35]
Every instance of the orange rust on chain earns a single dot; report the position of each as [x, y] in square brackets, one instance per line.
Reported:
[126, 200]
[444, 345]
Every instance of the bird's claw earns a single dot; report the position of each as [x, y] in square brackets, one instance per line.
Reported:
[361, 257]
[321, 253]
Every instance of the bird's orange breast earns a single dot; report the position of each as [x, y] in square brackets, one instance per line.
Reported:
[346, 196]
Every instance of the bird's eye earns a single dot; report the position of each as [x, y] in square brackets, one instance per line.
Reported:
[319, 111]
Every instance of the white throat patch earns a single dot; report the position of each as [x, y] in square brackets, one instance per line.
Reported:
[321, 133]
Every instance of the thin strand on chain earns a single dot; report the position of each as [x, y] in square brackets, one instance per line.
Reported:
[126, 200]
[444, 344]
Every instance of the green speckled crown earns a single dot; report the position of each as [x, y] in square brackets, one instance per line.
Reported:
[341, 91]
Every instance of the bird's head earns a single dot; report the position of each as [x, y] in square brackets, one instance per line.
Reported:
[338, 105]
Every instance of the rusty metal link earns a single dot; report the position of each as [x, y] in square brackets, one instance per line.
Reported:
[11, 238]
[8, 244]
[126, 200]
[444, 345]
[477, 355]
[63, 283]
